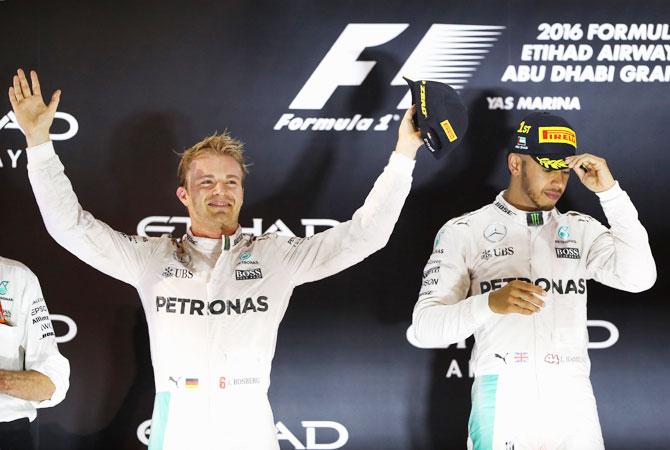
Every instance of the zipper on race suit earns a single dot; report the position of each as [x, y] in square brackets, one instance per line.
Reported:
[224, 254]
[531, 274]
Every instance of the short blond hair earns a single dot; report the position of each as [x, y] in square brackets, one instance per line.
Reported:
[222, 144]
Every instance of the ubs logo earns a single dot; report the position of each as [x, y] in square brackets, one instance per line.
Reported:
[502, 251]
[170, 272]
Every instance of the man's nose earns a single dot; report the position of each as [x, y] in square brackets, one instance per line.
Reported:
[559, 178]
[220, 187]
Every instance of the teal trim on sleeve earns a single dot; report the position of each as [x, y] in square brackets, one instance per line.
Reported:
[483, 413]
[159, 420]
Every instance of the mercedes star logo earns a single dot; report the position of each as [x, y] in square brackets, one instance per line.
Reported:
[495, 232]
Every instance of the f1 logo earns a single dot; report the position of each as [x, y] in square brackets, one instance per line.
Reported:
[447, 53]
[340, 66]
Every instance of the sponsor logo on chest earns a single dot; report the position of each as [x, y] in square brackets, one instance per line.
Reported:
[495, 232]
[563, 235]
[555, 286]
[248, 268]
[246, 259]
[3, 287]
[496, 252]
[176, 272]
[249, 274]
[193, 307]
[567, 252]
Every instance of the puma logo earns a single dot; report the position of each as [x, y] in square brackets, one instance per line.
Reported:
[502, 357]
[175, 381]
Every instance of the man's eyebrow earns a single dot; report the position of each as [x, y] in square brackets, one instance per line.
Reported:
[210, 176]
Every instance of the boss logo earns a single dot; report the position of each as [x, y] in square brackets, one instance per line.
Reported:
[251, 274]
[568, 252]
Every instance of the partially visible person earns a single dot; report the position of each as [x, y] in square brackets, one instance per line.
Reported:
[33, 374]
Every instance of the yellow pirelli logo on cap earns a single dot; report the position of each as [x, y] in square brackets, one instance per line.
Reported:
[557, 135]
[422, 96]
[449, 130]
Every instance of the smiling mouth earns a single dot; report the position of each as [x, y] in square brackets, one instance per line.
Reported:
[220, 204]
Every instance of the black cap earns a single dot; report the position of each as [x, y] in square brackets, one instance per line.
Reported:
[440, 115]
[547, 138]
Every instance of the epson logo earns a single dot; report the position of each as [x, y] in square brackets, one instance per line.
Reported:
[8, 122]
[284, 434]
[158, 225]
[448, 53]
[252, 274]
[430, 282]
[567, 252]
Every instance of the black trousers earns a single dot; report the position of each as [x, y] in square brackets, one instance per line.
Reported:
[18, 435]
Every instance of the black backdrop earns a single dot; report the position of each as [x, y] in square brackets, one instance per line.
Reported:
[141, 80]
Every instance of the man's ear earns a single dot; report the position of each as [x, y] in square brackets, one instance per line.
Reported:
[182, 195]
[514, 163]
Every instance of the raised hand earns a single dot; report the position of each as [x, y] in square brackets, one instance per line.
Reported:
[33, 115]
[592, 171]
[409, 138]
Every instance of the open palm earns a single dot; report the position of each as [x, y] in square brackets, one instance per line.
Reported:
[33, 115]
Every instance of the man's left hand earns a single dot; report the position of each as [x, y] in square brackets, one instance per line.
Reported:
[409, 138]
[592, 171]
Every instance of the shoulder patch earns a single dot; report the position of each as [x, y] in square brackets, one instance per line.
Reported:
[579, 216]
[265, 237]
[465, 218]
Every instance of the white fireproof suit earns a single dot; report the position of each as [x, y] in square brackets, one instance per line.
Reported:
[28, 341]
[531, 387]
[213, 306]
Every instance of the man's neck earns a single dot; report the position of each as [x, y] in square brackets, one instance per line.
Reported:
[212, 232]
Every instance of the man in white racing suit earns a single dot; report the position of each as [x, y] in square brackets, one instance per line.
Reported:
[213, 299]
[514, 274]
[33, 373]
